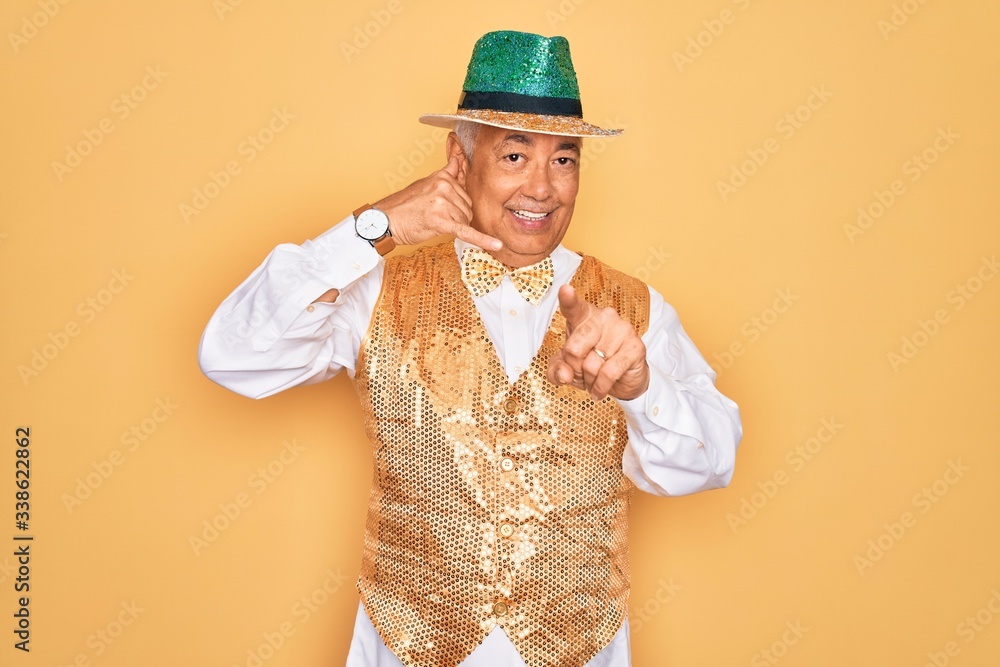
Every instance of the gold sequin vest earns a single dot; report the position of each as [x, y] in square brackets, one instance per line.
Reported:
[492, 503]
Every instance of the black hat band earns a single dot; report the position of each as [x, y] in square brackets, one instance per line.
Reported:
[518, 103]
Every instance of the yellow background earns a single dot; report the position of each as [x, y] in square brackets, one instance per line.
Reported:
[829, 569]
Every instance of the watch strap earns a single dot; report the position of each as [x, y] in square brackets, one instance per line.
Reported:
[385, 244]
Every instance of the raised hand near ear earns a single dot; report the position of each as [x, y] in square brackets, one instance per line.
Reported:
[434, 205]
[602, 355]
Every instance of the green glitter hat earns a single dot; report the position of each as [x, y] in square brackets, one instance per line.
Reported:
[521, 81]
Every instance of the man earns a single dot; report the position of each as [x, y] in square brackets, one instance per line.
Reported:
[513, 391]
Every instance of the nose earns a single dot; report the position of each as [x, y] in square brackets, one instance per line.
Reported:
[538, 182]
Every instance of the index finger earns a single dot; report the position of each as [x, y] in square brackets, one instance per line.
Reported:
[573, 309]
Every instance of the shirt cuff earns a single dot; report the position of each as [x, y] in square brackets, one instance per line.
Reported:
[663, 455]
[650, 410]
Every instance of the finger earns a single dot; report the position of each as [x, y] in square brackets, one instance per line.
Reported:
[611, 371]
[443, 186]
[581, 341]
[445, 212]
[460, 216]
[573, 309]
[625, 356]
[559, 372]
[452, 167]
[591, 367]
[454, 200]
[451, 179]
[593, 345]
[475, 237]
[465, 195]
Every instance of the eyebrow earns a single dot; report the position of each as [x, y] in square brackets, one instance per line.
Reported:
[527, 141]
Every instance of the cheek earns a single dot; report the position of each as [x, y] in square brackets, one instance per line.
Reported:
[568, 186]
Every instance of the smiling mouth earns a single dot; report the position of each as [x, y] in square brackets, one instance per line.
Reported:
[530, 216]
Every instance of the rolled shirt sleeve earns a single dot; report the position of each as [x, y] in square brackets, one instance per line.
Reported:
[269, 335]
[683, 433]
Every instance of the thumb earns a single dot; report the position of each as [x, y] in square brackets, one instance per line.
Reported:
[452, 166]
[574, 310]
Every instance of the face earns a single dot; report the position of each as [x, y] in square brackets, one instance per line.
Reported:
[523, 188]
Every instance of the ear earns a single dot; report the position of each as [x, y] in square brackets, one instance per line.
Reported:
[453, 148]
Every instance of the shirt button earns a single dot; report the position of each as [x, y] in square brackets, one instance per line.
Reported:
[500, 608]
[513, 313]
[506, 464]
[310, 308]
[700, 445]
[510, 406]
[356, 266]
[506, 529]
[656, 410]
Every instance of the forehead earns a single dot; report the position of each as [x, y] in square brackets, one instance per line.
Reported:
[497, 137]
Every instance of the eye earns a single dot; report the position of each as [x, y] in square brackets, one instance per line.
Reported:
[514, 158]
[563, 161]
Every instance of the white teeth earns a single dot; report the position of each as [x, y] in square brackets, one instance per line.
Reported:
[529, 215]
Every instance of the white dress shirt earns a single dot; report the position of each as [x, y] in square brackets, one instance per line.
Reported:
[269, 335]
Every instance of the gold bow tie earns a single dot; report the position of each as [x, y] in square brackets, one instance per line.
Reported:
[481, 273]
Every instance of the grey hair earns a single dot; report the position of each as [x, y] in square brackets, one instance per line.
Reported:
[467, 132]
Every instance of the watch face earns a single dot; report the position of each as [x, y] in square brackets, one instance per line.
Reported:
[372, 224]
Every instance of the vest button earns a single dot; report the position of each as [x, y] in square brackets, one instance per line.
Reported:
[500, 609]
[506, 464]
[506, 529]
[510, 406]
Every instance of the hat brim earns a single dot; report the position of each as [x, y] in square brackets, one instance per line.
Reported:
[566, 126]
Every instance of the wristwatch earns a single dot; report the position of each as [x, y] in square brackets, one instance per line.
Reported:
[372, 225]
